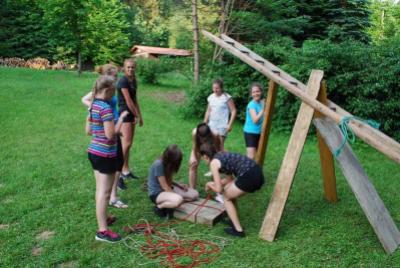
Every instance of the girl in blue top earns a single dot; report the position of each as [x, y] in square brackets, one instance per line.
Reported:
[254, 119]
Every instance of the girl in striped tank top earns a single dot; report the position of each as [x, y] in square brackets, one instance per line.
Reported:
[102, 151]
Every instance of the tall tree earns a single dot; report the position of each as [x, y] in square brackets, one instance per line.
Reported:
[196, 51]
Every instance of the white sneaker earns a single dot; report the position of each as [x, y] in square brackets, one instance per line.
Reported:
[208, 174]
[219, 198]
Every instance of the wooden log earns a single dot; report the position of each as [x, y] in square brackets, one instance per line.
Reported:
[369, 200]
[326, 157]
[209, 214]
[267, 122]
[290, 161]
[373, 137]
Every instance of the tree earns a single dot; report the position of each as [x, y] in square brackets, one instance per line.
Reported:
[196, 42]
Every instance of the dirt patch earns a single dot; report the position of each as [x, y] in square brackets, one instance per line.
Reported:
[70, 264]
[36, 251]
[45, 235]
[172, 96]
[4, 226]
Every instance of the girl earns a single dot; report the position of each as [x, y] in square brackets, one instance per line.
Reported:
[254, 118]
[221, 111]
[111, 70]
[127, 101]
[249, 178]
[163, 191]
[102, 151]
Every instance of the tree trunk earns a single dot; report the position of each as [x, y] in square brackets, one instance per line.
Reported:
[226, 9]
[79, 63]
[196, 42]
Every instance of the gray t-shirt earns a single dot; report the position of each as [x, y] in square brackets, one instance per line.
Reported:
[156, 170]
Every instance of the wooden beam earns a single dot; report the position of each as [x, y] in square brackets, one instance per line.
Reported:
[326, 157]
[267, 122]
[290, 161]
[373, 137]
[369, 200]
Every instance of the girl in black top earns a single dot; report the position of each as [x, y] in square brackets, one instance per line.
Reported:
[127, 101]
[248, 179]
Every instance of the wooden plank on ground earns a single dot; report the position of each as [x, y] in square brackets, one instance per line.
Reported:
[290, 161]
[325, 155]
[369, 200]
[208, 214]
[267, 122]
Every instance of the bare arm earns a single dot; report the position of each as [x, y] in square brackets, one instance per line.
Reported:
[233, 111]
[120, 121]
[87, 127]
[129, 102]
[216, 185]
[139, 113]
[87, 99]
[207, 114]
[163, 183]
[255, 117]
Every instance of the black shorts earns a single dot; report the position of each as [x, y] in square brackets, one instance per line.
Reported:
[251, 139]
[250, 181]
[130, 118]
[103, 164]
[120, 155]
[153, 197]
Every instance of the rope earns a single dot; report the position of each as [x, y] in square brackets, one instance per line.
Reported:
[348, 133]
[168, 249]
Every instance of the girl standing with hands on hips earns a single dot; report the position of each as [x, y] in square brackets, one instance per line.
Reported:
[254, 118]
[102, 151]
[127, 101]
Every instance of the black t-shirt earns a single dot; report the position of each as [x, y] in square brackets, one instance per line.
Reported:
[124, 82]
[233, 163]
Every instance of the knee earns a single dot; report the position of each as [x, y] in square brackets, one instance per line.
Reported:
[177, 201]
[193, 194]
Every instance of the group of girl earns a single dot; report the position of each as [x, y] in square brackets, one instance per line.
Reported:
[112, 134]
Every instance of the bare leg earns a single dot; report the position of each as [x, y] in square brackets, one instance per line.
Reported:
[189, 195]
[114, 194]
[103, 189]
[169, 200]
[127, 131]
[193, 166]
[251, 152]
[231, 192]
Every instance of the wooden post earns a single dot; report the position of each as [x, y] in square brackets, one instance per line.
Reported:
[325, 155]
[267, 122]
[290, 161]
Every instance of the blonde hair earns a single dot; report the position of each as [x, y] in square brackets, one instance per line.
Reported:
[107, 69]
[104, 82]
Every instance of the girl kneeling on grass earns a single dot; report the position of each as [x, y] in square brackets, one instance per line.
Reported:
[163, 191]
[102, 151]
[249, 178]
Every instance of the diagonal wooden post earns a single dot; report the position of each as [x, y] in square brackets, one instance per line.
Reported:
[267, 122]
[290, 161]
[325, 155]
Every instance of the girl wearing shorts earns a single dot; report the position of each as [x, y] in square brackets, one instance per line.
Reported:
[248, 179]
[221, 111]
[162, 190]
[111, 70]
[254, 118]
[102, 151]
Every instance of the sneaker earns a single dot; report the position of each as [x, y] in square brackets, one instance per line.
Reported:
[160, 212]
[129, 176]
[208, 174]
[219, 198]
[108, 236]
[170, 213]
[121, 184]
[227, 221]
[234, 232]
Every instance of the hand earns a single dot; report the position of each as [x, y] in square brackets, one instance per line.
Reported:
[140, 121]
[229, 129]
[193, 162]
[124, 114]
[209, 186]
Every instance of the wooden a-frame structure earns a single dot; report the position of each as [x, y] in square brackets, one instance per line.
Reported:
[325, 115]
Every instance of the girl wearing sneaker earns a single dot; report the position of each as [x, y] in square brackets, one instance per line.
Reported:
[102, 151]
[162, 190]
[248, 179]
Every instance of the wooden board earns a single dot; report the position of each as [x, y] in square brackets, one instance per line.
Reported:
[369, 200]
[290, 161]
[267, 122]
[325, 155]
[209, 214]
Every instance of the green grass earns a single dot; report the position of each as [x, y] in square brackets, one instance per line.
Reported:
[46, 183]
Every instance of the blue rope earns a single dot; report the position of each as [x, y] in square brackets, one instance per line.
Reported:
[348, 133]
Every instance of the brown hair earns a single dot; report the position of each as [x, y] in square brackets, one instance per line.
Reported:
[104, 82]
[171, 159]
[220, 83]
[258, 85]
[208, 149]
[205, 135]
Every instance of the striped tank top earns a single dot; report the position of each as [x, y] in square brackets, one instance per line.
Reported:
[101, 112]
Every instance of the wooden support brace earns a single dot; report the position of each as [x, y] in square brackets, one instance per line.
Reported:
[369, 200]
[267, 122]
[290, 161]
[326, 157]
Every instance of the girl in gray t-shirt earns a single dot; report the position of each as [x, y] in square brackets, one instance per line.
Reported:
[162, 190]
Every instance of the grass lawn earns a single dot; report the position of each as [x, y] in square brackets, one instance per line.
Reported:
[47, 209]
